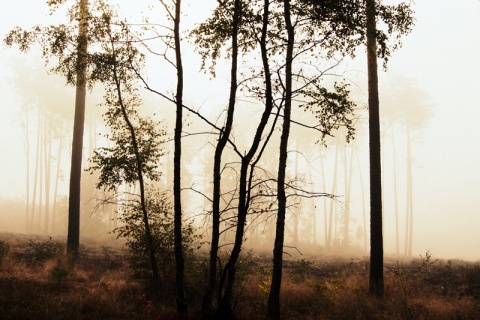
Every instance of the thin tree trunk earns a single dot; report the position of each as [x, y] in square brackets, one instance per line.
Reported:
[35, 181]
[376, 231]
[27, 182]
[395, 195]
[40, 183]
[139, 166]
[179, 259]
[364, 213]
[296, 216]
[227, 280]
[222, 142]
[332, 202]
[325, 216]
[57, 179]
[48, 162]
[409, 192]
[73, 237]
[348, 188]
[273, 309]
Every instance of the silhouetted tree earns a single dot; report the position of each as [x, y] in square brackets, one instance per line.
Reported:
[376, 232]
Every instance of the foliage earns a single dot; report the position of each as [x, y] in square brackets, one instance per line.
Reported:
[301, 269]
[332, 109]
[39, 251]
[4, 249]
[345, 21]
[426, 263]
[161, 226]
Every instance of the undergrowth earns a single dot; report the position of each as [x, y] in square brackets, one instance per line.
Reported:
[101, 285]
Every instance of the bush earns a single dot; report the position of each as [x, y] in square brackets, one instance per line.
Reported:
[4, 249]
[39, 251]
[161, 225]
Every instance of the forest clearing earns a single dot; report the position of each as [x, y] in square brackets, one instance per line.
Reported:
[35, 285]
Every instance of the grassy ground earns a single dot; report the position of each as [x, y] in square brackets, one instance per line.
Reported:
[37, 282]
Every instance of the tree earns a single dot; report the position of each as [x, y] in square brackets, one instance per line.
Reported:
[273, 311]
[175, 16]
[136, 148]
[376, 233]
[73, 237]
[222, 142]
[73, 64]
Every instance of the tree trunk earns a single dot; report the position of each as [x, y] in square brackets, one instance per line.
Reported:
[48, 163]
[409, 193]
[57, 179]
[179, 259]
[222, 142]
[332, 202]
[325, 216]
[364, 214]
[35, 182]
[73, 237]
[296, 215]
[376, 232]
[227, 280]
[27, 182]
[273, 309]
[139, 166]
[395, 195]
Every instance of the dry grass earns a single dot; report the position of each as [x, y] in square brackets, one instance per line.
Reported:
[100, 286]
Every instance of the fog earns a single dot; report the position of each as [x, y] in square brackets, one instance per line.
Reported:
[431, 84]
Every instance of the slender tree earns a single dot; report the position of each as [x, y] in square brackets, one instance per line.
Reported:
[182, 306]
[273, 308]
[222, 142]
[73, 237]
[376, 232]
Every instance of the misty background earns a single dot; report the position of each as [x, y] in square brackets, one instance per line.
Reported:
[432, 83]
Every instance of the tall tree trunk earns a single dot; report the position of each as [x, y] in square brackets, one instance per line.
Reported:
[332, 202]
[222, 142]
[139, 166]
[273, 309]
[325, 216]
[27, 182]
[35, 181]
[73, 237]
[296, 215]
[179, 258]
[227, 280]
[48, 163]
[364, 213]
[376, 230]
[348, 187]
[40, 183]
[395, 195]
[409, 193]
[57, 179]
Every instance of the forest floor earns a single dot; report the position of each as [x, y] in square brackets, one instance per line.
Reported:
[38, 282]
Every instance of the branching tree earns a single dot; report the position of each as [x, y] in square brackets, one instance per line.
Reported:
[136, 151]
[222, 142]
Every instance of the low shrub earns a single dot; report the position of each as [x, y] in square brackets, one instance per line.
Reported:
[39, 251]
[4, 249]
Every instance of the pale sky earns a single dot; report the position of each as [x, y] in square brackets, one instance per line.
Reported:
[441, 57]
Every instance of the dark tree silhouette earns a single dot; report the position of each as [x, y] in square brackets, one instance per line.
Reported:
[376, 232]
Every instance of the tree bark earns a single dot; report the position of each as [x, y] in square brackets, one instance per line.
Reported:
[376, 232]
[73, 237]
[222, 142]
[273, 309]
[227, 280]
[182, 307]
